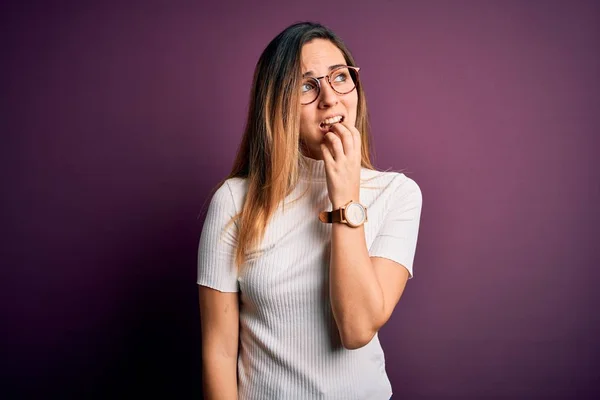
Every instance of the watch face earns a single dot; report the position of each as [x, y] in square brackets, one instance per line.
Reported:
[355, 214]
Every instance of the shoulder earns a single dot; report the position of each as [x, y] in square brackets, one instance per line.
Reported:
[404, 185]
[405, 195]
[397, 184]
[230, 194]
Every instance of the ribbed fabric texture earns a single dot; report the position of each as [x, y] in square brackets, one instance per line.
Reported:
[289, 342]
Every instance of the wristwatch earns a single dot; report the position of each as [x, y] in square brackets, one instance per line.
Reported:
[352, 214]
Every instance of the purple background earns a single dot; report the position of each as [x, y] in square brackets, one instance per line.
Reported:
[118, 118]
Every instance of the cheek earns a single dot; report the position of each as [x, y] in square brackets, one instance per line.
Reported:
[352, 106]
[305, 118]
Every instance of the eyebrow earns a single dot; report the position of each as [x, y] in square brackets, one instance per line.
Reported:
[331, 67]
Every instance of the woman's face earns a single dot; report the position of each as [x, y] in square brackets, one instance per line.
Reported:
[318, 57]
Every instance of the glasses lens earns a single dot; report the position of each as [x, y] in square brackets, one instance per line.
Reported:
[343, 80]
[310, 90]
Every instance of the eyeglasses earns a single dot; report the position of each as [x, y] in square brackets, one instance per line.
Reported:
[342, 80]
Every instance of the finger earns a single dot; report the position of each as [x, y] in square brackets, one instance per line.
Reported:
[357, 141]
[335, 143]
[356, 136]
[327, 156]
[329, 144]
[354, 132]
[345, 136]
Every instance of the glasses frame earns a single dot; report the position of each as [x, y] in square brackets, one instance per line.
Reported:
[328, 76]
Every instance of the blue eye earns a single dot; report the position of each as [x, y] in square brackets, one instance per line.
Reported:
[307, 87]
[341, 77]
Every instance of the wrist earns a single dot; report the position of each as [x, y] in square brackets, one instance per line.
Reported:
[351, 213]
[341, 202]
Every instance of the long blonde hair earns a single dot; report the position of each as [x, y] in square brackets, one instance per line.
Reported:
[268, 155]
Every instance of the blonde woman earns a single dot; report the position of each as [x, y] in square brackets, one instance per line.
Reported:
[306, 248]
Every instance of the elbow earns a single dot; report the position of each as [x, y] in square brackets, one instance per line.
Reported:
[355, 335]
[355, 340]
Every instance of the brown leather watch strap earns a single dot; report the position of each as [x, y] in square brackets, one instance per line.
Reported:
[331, 216]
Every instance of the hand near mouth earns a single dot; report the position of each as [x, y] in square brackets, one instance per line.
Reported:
[341, 148]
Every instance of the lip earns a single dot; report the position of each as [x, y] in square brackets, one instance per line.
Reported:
[325, 128]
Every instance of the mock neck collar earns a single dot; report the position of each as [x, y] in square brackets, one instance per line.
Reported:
[311, 169]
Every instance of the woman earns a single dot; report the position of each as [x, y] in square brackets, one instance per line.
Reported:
[292, 294]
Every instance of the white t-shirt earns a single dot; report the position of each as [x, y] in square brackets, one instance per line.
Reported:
[289, 343]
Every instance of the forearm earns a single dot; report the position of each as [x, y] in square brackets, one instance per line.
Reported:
[219, 377]
[356, 296]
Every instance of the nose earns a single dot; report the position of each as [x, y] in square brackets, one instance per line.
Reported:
[328, 97]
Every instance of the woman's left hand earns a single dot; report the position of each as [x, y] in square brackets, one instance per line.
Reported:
[341, 148]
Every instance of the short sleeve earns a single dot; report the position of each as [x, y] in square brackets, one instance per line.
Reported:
[216, 251]
[397, 237]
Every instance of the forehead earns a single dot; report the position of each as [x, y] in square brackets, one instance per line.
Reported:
[319, 54]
